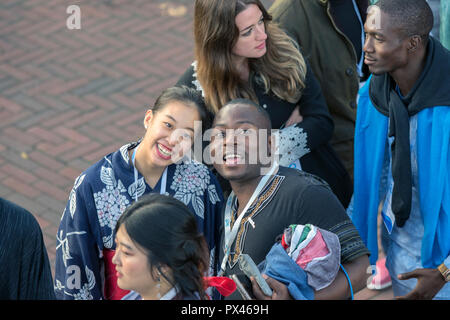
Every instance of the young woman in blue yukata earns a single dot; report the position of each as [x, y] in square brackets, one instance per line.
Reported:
[155, 164]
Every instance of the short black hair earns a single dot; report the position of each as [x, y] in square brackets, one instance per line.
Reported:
[413, 17]
[248, 102]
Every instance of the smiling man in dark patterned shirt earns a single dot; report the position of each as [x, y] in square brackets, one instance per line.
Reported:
[282, 197]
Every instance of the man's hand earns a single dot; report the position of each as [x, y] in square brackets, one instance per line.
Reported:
[279, 290]
[429, 283]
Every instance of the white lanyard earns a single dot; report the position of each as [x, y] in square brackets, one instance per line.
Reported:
[170, 294]
[230, 233]
[163, 180]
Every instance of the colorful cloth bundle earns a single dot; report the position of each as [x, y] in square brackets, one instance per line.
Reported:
[315, 250]
[306, 260]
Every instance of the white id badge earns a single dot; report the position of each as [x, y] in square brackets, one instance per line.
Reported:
[386, 213]
[296, 165]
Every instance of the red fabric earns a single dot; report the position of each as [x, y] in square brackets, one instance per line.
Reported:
[224, 285]
[112, 291]
[283, 243]
[316, 248]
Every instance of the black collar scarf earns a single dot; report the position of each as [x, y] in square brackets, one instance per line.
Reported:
[431, 89]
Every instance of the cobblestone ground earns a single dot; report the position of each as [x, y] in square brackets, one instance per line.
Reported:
[69, 97]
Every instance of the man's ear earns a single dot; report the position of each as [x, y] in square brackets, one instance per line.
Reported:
[148, 117]
[414, 43]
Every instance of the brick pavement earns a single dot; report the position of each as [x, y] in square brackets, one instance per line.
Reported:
[68, 97]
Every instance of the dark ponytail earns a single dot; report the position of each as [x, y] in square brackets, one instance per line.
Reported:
[167, 230]
[190, 265]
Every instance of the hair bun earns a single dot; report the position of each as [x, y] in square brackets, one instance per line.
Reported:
[190, 248]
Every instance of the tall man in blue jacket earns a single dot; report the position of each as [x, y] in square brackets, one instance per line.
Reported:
[403, 125]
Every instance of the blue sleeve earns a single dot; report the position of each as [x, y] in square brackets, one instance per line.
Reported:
[447, 262]
[78, 259]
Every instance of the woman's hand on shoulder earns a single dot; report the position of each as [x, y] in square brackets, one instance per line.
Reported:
[294, 118]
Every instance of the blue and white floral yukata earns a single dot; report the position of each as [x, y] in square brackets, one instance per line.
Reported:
[85, 238]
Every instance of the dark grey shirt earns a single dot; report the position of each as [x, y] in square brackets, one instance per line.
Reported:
[291, 197]
[25, 272]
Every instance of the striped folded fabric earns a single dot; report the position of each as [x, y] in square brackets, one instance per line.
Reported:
[315, 250]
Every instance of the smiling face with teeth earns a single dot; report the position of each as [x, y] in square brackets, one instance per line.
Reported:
[236, 141]
[169, 134]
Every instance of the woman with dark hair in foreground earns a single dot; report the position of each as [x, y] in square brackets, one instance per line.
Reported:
[160, 254]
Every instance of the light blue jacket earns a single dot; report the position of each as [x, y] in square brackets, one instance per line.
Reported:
[433, 156]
